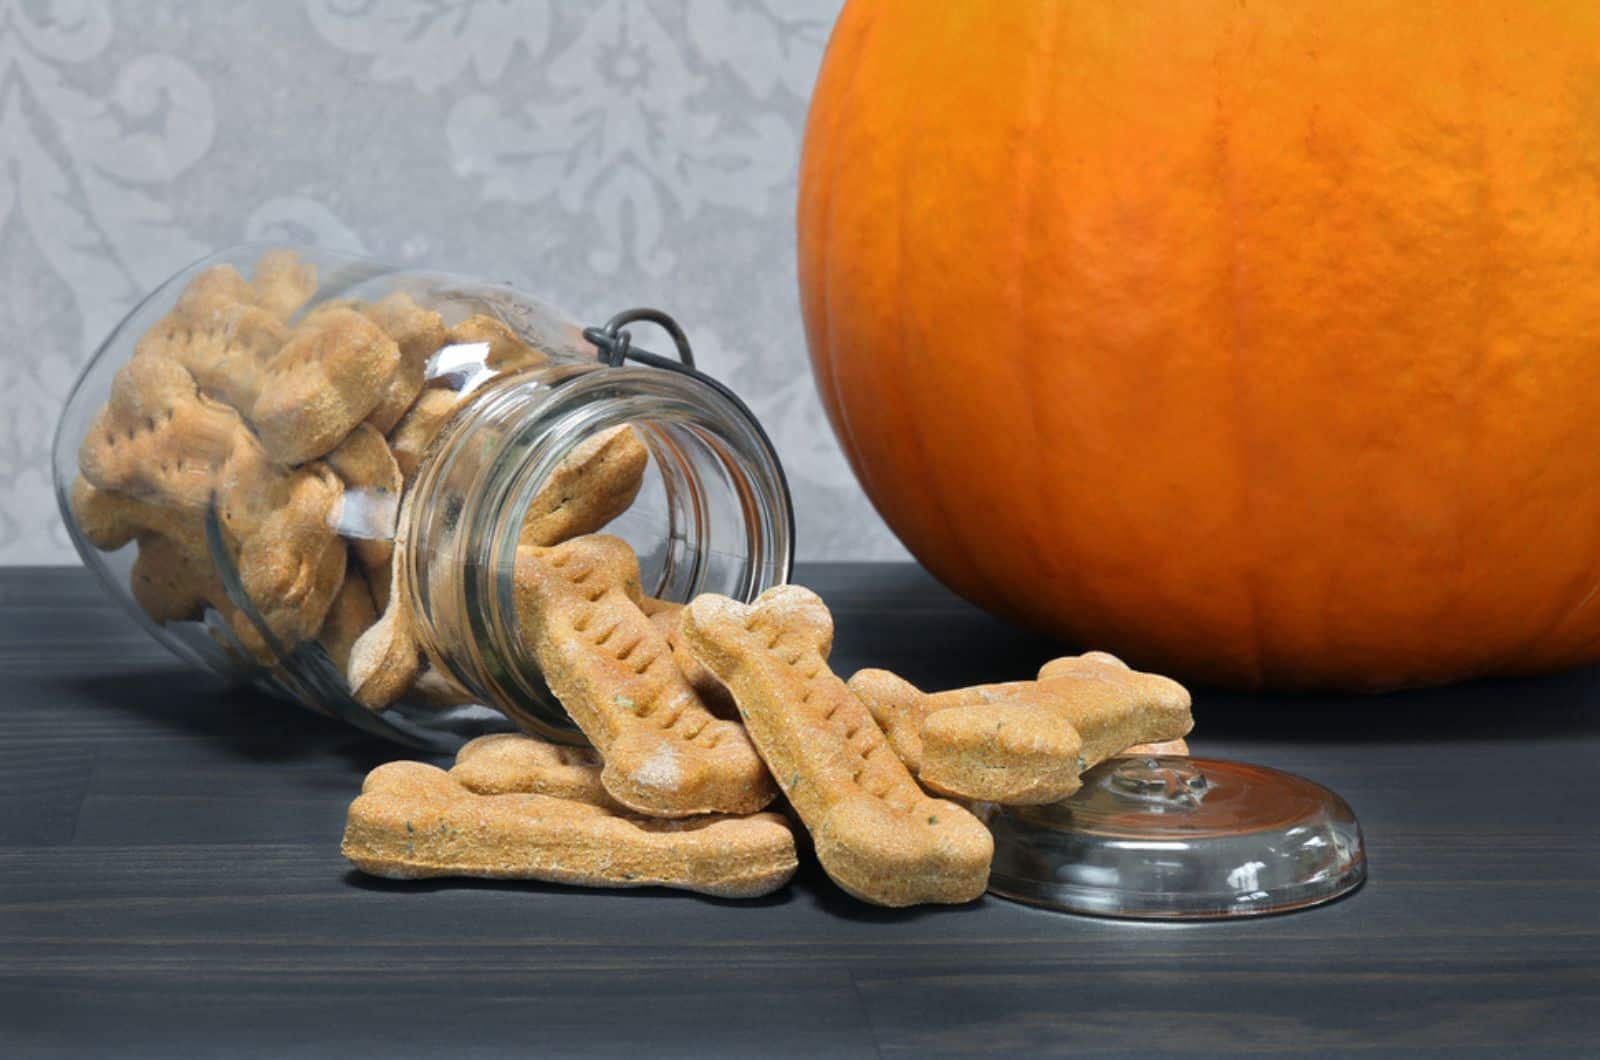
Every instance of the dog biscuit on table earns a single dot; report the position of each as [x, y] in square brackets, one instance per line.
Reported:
[665, 754]
[992, 743]
[878, 835]
[505, 762]
[1021, 742]
[414, 821]
[1114, 707]
[418, 333]
[591, 486]
[327, 377]
[283, 282]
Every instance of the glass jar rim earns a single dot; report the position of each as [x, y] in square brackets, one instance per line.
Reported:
[547, 418]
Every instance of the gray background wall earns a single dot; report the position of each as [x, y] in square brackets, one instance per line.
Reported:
[600, 153]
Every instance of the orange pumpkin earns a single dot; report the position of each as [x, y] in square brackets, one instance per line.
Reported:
[1258, 340]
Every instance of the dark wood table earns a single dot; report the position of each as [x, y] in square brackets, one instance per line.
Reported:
[170, 885]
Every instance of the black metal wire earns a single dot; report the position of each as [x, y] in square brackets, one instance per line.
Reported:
[615, 343]
[614, 346]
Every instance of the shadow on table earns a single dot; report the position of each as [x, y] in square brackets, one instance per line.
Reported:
[361, 881]
[235, 718]
[809, 886]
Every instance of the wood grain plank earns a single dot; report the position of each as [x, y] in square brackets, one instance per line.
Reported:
[170, 885]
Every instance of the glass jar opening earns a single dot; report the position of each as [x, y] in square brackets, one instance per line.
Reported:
[711, 513]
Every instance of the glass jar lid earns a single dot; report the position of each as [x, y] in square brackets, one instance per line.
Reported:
[1169, 837]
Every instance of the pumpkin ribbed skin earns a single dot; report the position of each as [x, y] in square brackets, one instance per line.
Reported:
[1256, 340]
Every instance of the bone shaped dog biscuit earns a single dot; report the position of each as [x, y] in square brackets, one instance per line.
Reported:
[504, 349]
[712, 692]
[413, 821]
[1114, 707]
[877, 834]
[111, 520]
[418, 333]
[224, 345]
[282, 282]
[410, 438]
[158, 437]
[665, 754]
[329, 376]
[172, 583]
[592, 485]
[372, 488]
[505, 762]
[1023, 742]
[350, 615]
[293, 566]
[994, 743]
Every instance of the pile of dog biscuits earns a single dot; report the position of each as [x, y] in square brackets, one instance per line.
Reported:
[298, 428]
[699, 716]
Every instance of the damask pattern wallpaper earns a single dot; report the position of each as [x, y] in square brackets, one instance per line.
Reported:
[600, 153]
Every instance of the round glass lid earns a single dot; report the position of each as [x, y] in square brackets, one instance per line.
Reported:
[1170, 837]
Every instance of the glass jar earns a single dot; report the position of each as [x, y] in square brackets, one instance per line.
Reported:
[313, 472]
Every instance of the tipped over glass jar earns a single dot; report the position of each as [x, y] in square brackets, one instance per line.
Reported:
[312, 471]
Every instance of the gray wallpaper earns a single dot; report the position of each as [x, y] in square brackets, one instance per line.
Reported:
[601, 153]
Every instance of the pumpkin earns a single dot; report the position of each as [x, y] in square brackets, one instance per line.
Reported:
[1253, 340]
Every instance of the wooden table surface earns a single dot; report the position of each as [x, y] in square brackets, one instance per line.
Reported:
[170, 885]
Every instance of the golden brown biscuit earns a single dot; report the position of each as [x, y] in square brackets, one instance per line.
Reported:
[877, 834]
[293, 566]
[225, 349]
[504, 350]
[419, 333]
[421, 424]
[386, 660]
[665, 754]
[1023, 742]
[250, 486]
[511, 762]
[350, 615]
[282, 282]
[216, 287]
[110, 520]
[372, 488]
[993, 743]
[591, 486]
[1114, 707]
[328, 377]
[158, 438]
[414, 821]
[171, 582]
[1160, 747]
[712, 692]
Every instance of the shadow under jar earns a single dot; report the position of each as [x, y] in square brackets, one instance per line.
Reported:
[314, 472]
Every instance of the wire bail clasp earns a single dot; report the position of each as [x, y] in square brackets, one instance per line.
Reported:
[615, 343]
